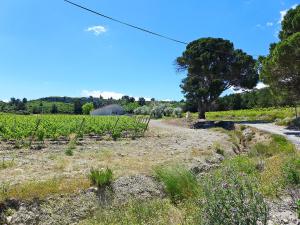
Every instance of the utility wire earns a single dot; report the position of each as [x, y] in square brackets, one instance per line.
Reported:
[132, 26]
[126, 24]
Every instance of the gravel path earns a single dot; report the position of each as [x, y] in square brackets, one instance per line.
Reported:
[292, 135]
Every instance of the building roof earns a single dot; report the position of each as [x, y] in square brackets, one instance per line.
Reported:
[109, 110]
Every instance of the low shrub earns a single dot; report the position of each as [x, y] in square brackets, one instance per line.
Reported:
[168, 111]
[158, 111]
[177, 112]
[232, 198]
[69, 152]
[101, 177]
[180, 183]
[144, 110]
[291, 171]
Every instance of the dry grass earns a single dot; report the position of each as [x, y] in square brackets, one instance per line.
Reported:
[61, 164]
[271, 179]
[195, 152]
[42, 189]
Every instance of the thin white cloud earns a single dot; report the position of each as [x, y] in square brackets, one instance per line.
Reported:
[284, 12]
[269, 24]
[97, 30]
[4, 100]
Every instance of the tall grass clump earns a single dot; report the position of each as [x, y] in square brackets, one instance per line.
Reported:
[180, 183]
[101, 177]
[232, 198]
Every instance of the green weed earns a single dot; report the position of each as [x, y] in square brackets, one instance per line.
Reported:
[101, 177]
[179, 182]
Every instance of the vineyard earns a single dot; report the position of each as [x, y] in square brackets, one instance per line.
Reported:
[265, 114]
[54, 127]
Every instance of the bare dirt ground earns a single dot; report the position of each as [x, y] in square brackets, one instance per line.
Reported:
[162, 144]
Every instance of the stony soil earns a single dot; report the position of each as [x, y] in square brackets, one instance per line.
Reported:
[162, 144]
[131, 160]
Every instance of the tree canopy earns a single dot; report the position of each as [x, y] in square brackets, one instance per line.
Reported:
[213, 66]
[281, 68]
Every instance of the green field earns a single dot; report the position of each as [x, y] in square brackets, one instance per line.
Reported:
[40, 127]
[265, 114]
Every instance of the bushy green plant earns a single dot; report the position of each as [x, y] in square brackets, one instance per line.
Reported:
[158, 111]
[168, 111]
[101, 177]
[231, 198]
[69, 152]
[291, 171]
[179, 182]
[143, 110]
[177, 112]
[87, 108]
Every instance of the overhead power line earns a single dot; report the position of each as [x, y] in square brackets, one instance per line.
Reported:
[126, 24]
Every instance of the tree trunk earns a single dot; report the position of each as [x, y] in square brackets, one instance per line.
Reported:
[201, 111]
[296, 112]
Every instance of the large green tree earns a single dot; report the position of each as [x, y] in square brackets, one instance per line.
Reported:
[281, 68]
[213, 66]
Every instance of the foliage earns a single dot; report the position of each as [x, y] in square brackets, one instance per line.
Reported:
[232, 198]
[54, 109]
[37, 107]
[177, 112]
[158, 111]
[180, 183]
[291, 171]
[87, 108]
[19, 127]
[130, 107]
[264, 114]
[168, 111]
[143, 110]
[262, 98]
[213, 66]
[281, 68]
[101, 177]
[69, 152]
[142, 101]
[290, 24]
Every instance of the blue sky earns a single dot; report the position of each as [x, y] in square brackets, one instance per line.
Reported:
[50, 48]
